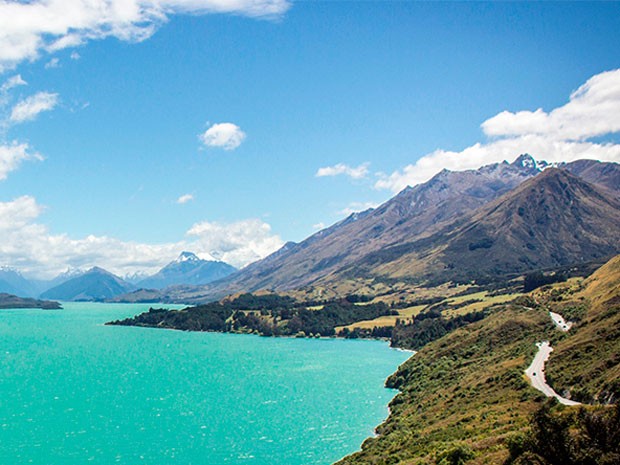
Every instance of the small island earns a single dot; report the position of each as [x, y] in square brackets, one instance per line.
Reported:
[12, 301]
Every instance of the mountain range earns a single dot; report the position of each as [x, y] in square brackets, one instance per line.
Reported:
[99, 284]
[501, 218]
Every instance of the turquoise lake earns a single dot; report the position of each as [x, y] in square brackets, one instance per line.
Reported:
[73, 391]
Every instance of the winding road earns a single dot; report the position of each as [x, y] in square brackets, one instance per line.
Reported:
[559, 321]
[536, 371]
[536, 374]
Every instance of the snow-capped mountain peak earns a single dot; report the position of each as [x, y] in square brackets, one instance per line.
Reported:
[528, 162]
[187, 257]
[71, 272]
[9, 269]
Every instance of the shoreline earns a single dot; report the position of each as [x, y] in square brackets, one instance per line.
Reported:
[279, 336]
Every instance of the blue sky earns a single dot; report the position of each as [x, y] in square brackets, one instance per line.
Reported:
[331, 107]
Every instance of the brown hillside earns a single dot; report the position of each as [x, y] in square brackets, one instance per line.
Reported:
[552, 220]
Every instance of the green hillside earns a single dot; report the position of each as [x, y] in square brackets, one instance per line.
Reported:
[464, 395]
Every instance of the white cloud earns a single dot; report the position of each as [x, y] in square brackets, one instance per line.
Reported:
[318, 226]
[592, 110]
[12, 155]
[12, 82]
[228, 136]
[29, 245]
[18, 213]
[29, 108]
[53, 63]
[238, 243]
[185, 198]
[5, 88]
[29, 28]
[75, 56]
[560, 135]
[357, 172]
[356, 207]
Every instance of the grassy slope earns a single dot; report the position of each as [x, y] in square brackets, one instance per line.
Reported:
[586, 362]
[480, 301]
[468, 388]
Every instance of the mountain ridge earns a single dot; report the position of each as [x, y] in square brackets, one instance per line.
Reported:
[416, 213]
[552, 220]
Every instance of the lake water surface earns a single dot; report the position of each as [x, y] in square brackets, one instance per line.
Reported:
[73, 391]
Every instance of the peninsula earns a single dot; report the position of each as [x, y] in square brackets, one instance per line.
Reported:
[12, 301]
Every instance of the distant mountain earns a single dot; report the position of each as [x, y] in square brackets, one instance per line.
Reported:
[42, 285]
[187, 269]
[95, 284]
[135, 278]
[12, 282]
[553, 220]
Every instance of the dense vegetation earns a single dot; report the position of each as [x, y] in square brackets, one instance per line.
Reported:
[429, 326]
[275, 315]
[538, 279]
[268, 315]
[568, 437]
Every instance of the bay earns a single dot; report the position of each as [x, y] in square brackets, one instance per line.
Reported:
[73, 391]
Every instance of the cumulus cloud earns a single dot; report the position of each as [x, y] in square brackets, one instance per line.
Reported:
[29, 28]
[228, 136]
[238, 243]
[18, 213]
[28, 245]
[592, 110]
[12, 155]
[185, 198]
[562, 134]
[29, 108]
[357, 172]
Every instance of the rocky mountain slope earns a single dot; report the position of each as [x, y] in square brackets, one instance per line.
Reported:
[417, 220]
[555, 219]
[415, 212]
